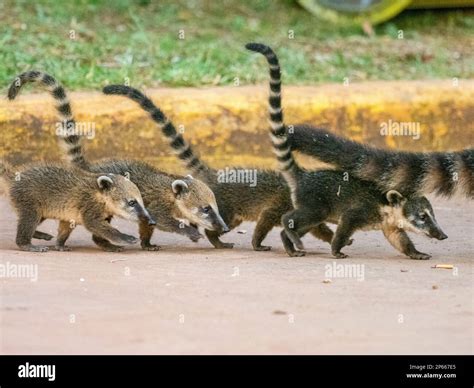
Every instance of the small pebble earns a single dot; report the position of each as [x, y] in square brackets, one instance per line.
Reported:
[326, 281]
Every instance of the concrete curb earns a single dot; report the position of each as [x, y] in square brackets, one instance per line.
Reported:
[228, 126]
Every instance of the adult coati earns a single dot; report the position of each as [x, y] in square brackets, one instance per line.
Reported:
[411, 173]
[325, 195]
[169, 198]
[265, 203]
[72, 196]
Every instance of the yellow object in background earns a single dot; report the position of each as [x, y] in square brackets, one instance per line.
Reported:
[357, 12]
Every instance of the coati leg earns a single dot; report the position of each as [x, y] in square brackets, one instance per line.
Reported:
[28, 220]
[401, 242]
[42, 236]
[348, 224]
[213, 238]
[172, 225]
[289, 247]
[265, 224]
[64, 231]
[103, 230]
[323, 232]
[106, 245]
[146, 231]
[300, 221]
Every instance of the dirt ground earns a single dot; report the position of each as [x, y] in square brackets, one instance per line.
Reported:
[190, 298]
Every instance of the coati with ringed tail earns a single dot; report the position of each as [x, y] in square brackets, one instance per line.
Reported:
[325, 196]
[169, 198]
[411, 173]
[264, 203]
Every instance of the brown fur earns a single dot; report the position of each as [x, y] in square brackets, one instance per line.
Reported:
[265, 203]
[72, 196]
[168, 207]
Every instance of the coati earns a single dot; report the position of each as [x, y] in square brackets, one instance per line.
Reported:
[441, 173]
[325, 195]
[265, 203]
[169, 198]
[72, 196]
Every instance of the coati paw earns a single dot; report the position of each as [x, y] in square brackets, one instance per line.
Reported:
[262, 248]
[294, 238]
[129, 239]
[151, 247]
[62, 248]
[112, 248]
[351, 240]
[297, 253]
[34, 248]
[224, 245]
[42, 236]
[195, 238]
[340, 255]
[420, 256]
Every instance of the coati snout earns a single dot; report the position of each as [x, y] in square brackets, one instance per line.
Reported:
[418, 213]
[123, 198]
[198, 204]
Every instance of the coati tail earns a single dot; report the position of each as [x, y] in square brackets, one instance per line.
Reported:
[278, 130]
[411, 173]
[66, 126]
[177, 142]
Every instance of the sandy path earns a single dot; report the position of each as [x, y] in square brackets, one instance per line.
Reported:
[190, 298]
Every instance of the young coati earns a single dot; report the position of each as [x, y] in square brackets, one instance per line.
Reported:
[169, 198]
[441, 173]
[72, 196]
[326, 195]
[264, 202]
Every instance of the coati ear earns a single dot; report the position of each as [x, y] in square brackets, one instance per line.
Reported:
[179, 187]
[104, 182]
[395, 198]
[189, 176]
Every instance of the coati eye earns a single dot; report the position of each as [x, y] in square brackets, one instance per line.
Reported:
[207, 209]
[132, 203]
[422, 216]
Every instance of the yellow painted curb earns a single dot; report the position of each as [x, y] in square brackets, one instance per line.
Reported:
[228, 126]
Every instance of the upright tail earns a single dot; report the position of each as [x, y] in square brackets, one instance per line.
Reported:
[278, 130]
[66, 129]
[411, 173]
[177, 142]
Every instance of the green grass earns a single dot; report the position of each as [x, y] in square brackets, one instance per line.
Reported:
[138, 40]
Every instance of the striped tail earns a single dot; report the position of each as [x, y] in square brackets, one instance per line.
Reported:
[66, 125]
[278, 131]
[176, 140]
[411, 173]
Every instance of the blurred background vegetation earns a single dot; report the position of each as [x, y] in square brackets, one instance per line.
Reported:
[139, 40]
